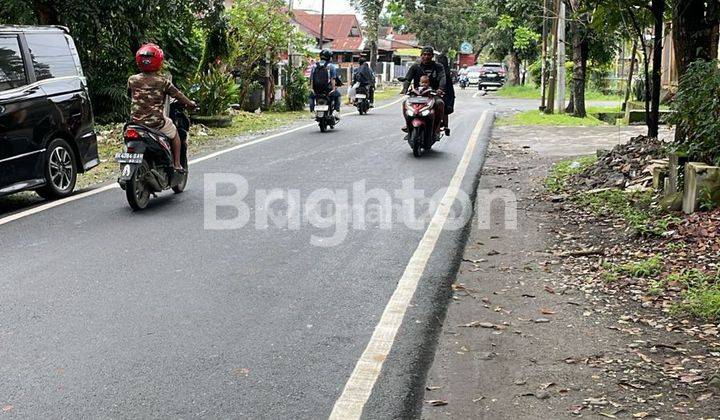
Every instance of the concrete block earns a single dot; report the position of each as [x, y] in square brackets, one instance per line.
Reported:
[659, 173]
[676, 167]
[698, 176]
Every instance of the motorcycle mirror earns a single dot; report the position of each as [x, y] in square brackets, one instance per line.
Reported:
[401, 79]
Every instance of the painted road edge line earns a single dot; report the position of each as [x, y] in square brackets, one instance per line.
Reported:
[359, 386]
[98, 190]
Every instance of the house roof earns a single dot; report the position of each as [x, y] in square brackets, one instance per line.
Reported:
[336, 25]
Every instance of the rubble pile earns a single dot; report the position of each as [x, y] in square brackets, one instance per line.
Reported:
[623, 166]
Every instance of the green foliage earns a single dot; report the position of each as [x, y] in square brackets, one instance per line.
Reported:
[259, 30]
[443, 24]
[563, 170]
[697, 112]
[646, 268]
[635, 208]
[701, 297]
[296, 90]
[531, 118]
[216, 45]
[214, 91]
[107, 34]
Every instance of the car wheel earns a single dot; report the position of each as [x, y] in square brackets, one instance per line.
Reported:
[60, 170]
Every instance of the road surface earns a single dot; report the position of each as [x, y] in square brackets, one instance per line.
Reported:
[110, 313]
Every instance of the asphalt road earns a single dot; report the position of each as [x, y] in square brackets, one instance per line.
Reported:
[109, 313]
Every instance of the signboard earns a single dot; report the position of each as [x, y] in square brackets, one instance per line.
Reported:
[466, 48]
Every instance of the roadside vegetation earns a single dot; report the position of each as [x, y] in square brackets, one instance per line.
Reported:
[529, 118]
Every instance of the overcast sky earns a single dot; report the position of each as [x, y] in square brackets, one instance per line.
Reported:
[331, 6]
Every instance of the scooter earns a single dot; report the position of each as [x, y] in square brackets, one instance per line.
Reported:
[146, 165]
[420, 122]
[464, 82]
[362, 103]
[324, 113]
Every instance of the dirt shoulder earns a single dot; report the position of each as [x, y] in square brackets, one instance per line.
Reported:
[532, 333]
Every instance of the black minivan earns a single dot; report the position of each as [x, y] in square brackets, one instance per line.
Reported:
[47, 133]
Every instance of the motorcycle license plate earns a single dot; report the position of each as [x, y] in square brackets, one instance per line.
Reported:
[322, 107]
[360, 96]
[123, 157]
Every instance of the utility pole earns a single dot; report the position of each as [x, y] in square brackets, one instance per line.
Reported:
[550, 108]
[543, 71]
[561, 59]
[322, 25]
[290, 46]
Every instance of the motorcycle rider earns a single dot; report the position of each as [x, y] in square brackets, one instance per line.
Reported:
[323, 77]
[464, 71]
[365, 77]
[436, 73]
[148, 91]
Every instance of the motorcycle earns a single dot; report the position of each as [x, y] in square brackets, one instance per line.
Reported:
[146, 164]
[420, 121]
[324, 113]
[362, 103]
[464, 82]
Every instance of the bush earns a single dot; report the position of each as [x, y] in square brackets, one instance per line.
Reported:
[535, 70]
[214, 91]
[296, 90]
[697, 112]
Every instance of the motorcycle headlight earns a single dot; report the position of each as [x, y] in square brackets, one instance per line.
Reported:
[425, 113]
[410, 112]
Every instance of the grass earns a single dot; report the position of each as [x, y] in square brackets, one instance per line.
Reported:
[201, 139]
[531, 92]
[701, 297]
[563, 170]
[635, 208]
[537, 118]
[650, 267]
[389, 92]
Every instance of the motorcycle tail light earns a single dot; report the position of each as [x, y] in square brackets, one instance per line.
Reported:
[130, 149]
[131, 134]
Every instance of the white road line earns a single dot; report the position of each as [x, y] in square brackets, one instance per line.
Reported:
[359, 386]
[56, 203]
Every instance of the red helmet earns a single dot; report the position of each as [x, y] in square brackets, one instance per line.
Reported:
[149, 58]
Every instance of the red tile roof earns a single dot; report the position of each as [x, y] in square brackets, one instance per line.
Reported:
[336, 25]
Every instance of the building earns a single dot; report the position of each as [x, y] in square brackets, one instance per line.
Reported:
[342, 34]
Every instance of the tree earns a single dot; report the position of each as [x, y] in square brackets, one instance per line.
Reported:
[216, 47]
[107, 34]
[259, 31]
[443, 24]
[371, 10]
[694, 31]
[580, 54]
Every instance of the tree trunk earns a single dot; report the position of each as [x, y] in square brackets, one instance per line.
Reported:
[694, 38]
[550, 105]
[628, 88]
[693, 24]
[570, 109]
[373, 54]
[580, 47]
[658, 11]
[514, 68]
[46, 12]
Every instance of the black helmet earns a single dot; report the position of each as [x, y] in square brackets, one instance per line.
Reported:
[325, 55]
[426, 50]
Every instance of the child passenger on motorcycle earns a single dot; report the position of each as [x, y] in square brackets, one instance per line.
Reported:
[424, 89]
[148, 91]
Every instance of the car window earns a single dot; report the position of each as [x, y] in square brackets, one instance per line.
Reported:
[51, 55]
[12, 67]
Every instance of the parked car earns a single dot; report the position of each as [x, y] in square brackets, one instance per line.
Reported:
[47, 133]
[492, 75]
[474, 74]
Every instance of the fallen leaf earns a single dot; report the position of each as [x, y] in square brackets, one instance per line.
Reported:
[704, 397]
[6, 408]
[476, 324]
[437, 403]
[641, 415]
[432, 388]
[546, 311]
[549, 289]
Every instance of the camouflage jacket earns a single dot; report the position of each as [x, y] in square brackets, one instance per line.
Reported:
[147, 93]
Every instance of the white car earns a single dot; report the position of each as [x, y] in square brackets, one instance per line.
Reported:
[474, 74]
